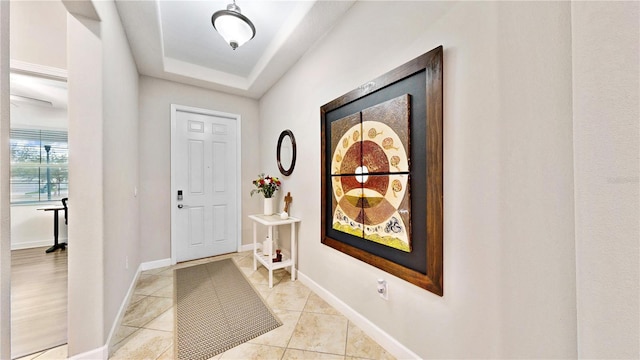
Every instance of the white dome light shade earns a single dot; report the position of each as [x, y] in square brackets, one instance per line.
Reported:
[235, 28]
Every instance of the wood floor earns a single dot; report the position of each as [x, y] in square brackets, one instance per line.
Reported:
[38, 300]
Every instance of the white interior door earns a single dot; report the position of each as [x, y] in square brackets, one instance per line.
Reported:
[205, 175]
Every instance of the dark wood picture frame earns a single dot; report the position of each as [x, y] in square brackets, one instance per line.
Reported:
[424, 73]
[289, 167]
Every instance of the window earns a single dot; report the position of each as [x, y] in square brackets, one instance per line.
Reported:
[39, 165]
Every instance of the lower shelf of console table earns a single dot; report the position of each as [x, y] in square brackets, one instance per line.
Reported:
[267, 261]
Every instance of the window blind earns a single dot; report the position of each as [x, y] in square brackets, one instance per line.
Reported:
[39, 165]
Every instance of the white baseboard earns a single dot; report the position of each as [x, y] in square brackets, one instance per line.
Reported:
[150, 265]
[34, 244]
[389, 343]
[101, 353]
[123, 308]
[246, 247]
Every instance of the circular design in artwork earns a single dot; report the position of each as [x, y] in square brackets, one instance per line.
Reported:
[367, 193]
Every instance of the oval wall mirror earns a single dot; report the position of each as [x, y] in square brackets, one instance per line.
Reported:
[286, 152]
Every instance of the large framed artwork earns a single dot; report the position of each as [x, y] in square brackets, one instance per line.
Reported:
[381, 172]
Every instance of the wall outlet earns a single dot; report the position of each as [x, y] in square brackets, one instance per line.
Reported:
[383, 289]
[126, 262]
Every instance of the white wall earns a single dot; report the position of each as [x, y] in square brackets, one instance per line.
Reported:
[606, 77]
[86, 259]
[509, 266]
[536, 214]
[103, 136]
[156, 97]
[33, 116]
[38, 33]
[120, 141]
[5, 171]
[31, 227]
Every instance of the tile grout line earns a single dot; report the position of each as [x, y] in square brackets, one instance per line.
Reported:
[346, 339]
[294, 328]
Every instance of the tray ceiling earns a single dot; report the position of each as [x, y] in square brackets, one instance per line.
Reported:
[174, 40]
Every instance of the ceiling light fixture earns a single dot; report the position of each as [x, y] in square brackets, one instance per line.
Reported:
[235, 28]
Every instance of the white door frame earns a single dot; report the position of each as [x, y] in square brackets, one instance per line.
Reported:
[174, 202]
[5, 210]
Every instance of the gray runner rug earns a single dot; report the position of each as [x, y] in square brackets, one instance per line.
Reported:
[216, 310]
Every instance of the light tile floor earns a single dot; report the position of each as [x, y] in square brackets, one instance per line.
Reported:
[311, 328]
[56, 353]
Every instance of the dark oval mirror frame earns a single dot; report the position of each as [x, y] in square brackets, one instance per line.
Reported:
[287, 172]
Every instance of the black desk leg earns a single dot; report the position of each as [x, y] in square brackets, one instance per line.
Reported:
[56, 245]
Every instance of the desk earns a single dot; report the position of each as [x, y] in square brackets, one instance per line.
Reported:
[56, 245]
[270, 221]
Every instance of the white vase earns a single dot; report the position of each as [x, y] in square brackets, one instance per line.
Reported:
[268, 206]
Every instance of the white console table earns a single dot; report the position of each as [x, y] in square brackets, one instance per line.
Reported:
[270, 221]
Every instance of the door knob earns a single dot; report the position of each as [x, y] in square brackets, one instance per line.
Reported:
[180, 206]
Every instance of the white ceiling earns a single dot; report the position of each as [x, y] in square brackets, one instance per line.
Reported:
[175, 40]
[30, 90]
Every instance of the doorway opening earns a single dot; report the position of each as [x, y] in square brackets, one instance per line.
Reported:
[39, 156]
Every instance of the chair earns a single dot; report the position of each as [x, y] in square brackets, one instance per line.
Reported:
[64, 203]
